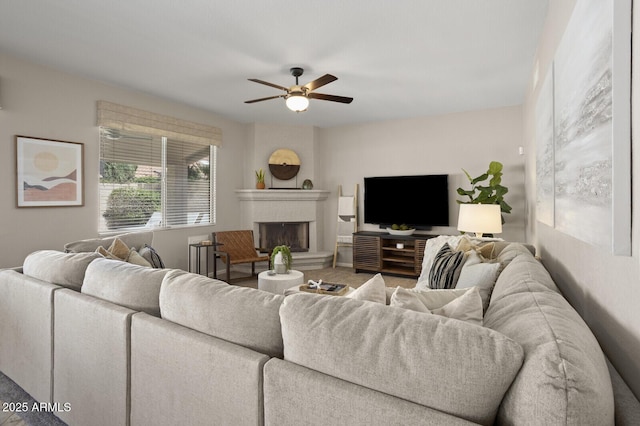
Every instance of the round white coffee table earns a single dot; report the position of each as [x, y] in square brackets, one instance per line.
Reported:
[278, 283]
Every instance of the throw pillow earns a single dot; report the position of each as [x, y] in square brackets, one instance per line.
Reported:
[151, 255]
[373, 290]
[434, 299]
[479, 274]
[135, 258]
[467, 307]
[431, 249]
[103, 251]
[487, 250]
[407, 299]
[119, 249]
[465, 244]
[446, 268]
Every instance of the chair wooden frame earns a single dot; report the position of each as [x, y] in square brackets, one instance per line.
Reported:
[238, 247]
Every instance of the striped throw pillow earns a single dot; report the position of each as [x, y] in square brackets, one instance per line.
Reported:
[446, 268]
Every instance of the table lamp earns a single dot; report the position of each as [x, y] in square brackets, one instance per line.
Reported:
[480, 218]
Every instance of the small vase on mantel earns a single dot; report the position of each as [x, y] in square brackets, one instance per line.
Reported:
[260, 179]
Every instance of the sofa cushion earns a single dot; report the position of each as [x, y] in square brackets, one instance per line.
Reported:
[448, 365]
[564, 378]
[64, 269]
[131, 239]
[242, 315]
[132, 286]
[523, 273]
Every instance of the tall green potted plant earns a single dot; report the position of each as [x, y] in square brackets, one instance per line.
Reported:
[492, 192]
[281, 259]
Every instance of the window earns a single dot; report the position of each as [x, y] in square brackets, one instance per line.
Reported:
[155, 170]
[151, 181]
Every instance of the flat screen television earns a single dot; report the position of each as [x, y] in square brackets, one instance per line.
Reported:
[420, 201]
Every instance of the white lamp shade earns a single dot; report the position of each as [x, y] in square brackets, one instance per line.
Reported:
[480, 218]
[297, 103]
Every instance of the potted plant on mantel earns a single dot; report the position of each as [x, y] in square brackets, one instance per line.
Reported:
[281, 259]
[260, 179]
[492, 193]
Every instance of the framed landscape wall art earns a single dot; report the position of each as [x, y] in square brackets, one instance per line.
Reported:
[591, 104]
[49, 173]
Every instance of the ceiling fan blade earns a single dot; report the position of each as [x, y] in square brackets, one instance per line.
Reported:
[264, 99]
[333, 98]
[255, 80]
[319, 82]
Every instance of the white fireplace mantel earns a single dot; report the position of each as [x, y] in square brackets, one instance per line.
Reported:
[282, 194]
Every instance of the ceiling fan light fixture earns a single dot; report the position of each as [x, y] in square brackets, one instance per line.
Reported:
[297, 103]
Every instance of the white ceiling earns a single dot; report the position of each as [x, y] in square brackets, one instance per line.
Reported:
[397, 59]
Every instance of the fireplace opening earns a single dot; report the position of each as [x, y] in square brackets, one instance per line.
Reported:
[292, 234]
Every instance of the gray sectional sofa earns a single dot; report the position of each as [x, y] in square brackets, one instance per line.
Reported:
[120, 344]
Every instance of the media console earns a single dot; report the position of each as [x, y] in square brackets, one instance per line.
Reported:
[379, 252]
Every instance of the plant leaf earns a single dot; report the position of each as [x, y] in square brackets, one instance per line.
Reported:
[495, 167]
[466, 192]
[480, 178]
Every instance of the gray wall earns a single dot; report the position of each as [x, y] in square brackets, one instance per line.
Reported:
[428, 145]
[41, 102]
[605, 289]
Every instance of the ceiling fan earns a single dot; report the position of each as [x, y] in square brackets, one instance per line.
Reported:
[297, 97]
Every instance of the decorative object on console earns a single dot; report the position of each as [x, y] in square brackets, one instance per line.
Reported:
[403, 229]
[480, 219]
[492, 193]
[297, 97]
[260, 179]
[281, 259]
[49, 172]
[307, 184]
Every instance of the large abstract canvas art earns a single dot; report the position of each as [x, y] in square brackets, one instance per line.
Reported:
[49, 173]
[591, 174]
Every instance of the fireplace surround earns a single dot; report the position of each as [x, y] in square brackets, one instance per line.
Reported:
[289, 206]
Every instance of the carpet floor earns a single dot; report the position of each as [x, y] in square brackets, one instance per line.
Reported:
[11, 394]
[18, 408]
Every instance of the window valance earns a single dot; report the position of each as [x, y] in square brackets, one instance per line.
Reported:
[136, 120]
